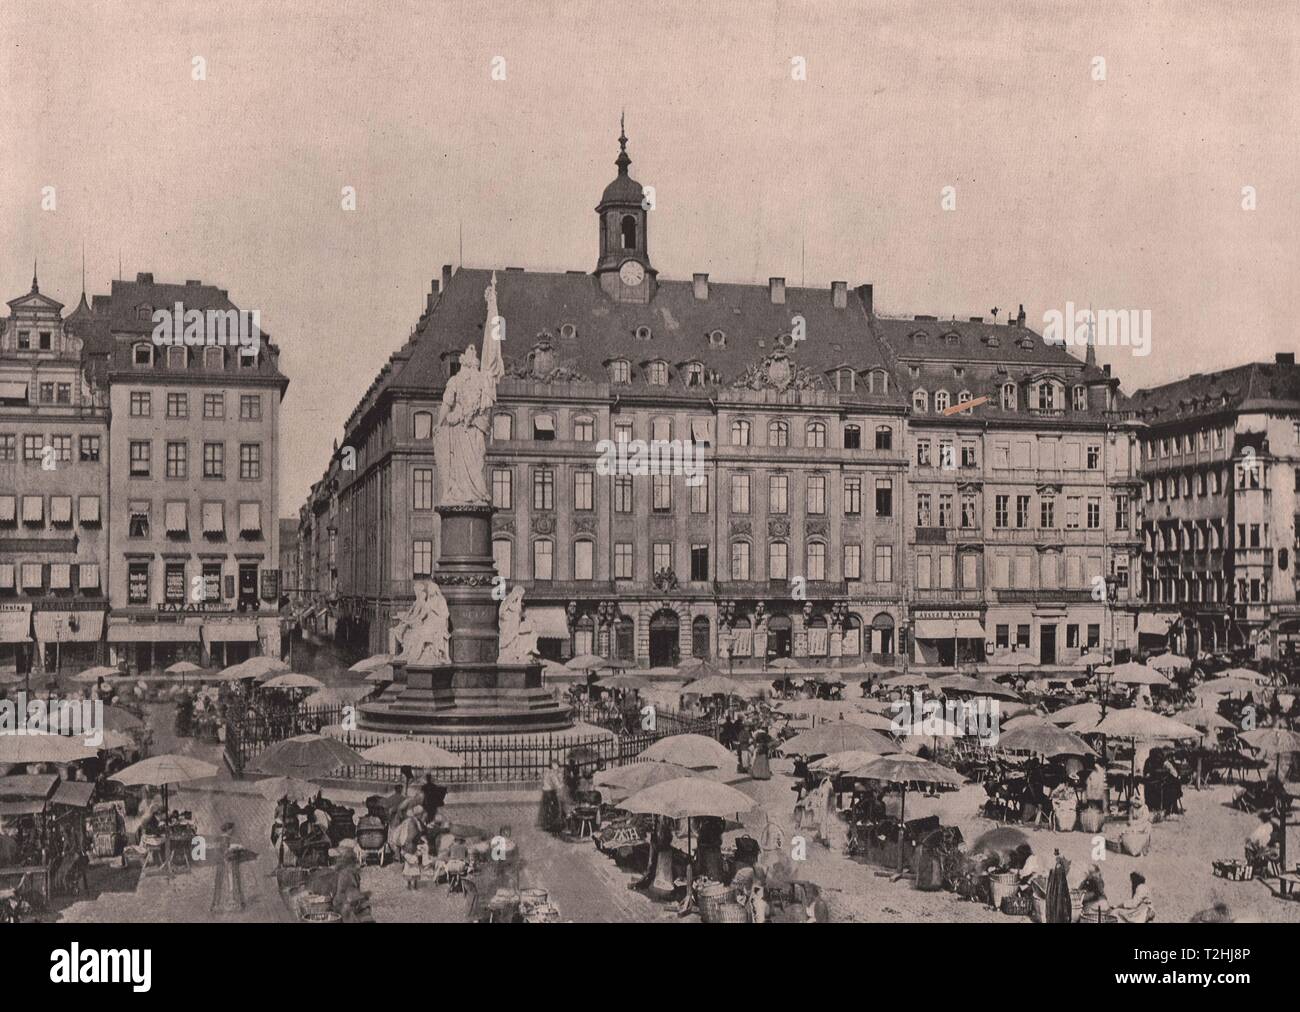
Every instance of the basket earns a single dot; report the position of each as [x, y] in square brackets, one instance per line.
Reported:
[731, 913]
[1135, 841]
[327, 917]
[314, 903]
[1234, 871]
[1091, 820]
[1002, 885]
[711, 899]
[1076, 905]
[1067, 814]
[531, 899]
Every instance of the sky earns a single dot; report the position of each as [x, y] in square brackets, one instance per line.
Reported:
[1118, 184]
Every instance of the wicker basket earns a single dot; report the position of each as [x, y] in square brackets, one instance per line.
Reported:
[711, 899]
[327, 917]
[730, 913]
[1135, 841]
[1076, 905]
[1067, 814]
[1002, 885]
[1091, 820]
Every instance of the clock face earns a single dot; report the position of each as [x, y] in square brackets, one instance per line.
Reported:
[631, 273]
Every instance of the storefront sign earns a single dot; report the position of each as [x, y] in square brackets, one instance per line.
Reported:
[207, 607]
[967, 613]
[270, 585]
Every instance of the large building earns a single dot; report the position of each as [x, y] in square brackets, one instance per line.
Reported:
[1221, 472]
[193, 505]
[54, 466]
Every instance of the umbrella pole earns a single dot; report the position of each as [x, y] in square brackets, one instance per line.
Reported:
[902, 824]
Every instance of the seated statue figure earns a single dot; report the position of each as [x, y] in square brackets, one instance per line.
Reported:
[517, 640]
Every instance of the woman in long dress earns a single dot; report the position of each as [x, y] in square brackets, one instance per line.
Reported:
[761, 766]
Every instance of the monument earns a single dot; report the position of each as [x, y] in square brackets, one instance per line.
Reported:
[462, 665]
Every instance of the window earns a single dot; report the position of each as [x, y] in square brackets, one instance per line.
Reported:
[583, 485]
[178, 460]
[1080, 398]
[45, 392]
[699, 563]
[778, 433]
[740, 432]
[250, 461]
[661, 429]
[141, 404]
[853, 562]
[140, 453]
[622, 432]
[945, 509]
[920, 400]
[24, 340]
[1047, 512]
[1121, 513]
[544, 489]
[1002, 636]
[853, 438]
[503, 488]
[584, 429]
[142, 355]
[657, 374]
[247, 357]
[778, 553]
[884, 437]
[1001, 504]
[422, 425]
[421, 488]
[968, 455]
[627, 230]
[740, 560]
[661, 490]
[214, 405]
[543, 428]
[421, 558]
[923, 515]
[968, 511]
[922, 453]
[1009, 397]
[817, 434]
[62, 446]
[1094, 513]
[214, 460]
[502, 556]
[884, 497]
[845, 380]
[740, 493]
[250, 406]
[702, 431]
[700, 495]
[177, 358]
[878, 381]
[884, 563]
[777, 493]
[1072, 507]
[1094, 456]
[543, 559]
[1022, 637]
[852, 496]
[694, 374]
[816, 494]
[661, 553]
[622, 493]
[1022, 511]
[178, 406]
[583, 553]
[816, 560]
[503, 426]
[623, 560]
[137, 519]
[9, 446]
[137, 583]
[214, 358]
[211, 581]
[941, 402]
[923, 572]
[620, 371]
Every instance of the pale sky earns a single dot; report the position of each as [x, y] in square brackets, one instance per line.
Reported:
[1124, 193]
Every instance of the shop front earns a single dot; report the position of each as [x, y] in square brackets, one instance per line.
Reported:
[146, 644]
[16, 636]
[69, 639]
[946, 638]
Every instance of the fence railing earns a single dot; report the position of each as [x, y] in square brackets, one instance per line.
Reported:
[486, 758]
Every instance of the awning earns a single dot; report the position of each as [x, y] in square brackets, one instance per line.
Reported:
[943, 629]
[214, 518]
[57, 626]
[21, 807]
[700, 430]
[89, 575]
[60, 509]
[250, 517]
[60, 576]
[8, 508]
[548, 623]
[230, 632]
[15, 622]
[13, 390]
[153, 632]
[6, 575]
[32, 575]
[543, 423]
[75, 794]
[33, 509]
[88, 508]
[176, 518]
[1155, 624]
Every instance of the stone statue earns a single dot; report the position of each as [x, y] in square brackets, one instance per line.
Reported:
[423, 631]
[518, 642]
[460, 440]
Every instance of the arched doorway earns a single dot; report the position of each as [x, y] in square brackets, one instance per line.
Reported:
[779, 638]
[664, 631]
[851, 637]
[624, 639]
[882, 633]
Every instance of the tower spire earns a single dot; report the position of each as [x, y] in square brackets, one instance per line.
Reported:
[35, 287]
[622, 161]
[83, 269]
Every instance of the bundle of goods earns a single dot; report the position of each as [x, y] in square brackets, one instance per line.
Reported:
[105, 829]
[1233, 870]
[547, 913]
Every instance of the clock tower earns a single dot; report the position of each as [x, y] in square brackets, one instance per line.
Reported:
[624, 266]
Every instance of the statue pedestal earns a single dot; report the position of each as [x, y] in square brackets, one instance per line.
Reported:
[472, 693]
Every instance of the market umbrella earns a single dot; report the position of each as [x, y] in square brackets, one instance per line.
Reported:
[624, 681]
[905, 770]
[1226, 687]
[162, 771]
[838, 762]
[694, 751]
[370, 663]
[115, 739]
[965, 685]
[383, 673]
[1079, 713]
[338, 695]
[907, 681]
[1044, 739]
[1133, 673]
[698, 667]
[585, 662]
[838, 736]
[784, 664]
[688, 797]
[293, 680]
[182, 668]
[1025, 720]
[1274, 741]
[1247, 675]
[872, 721]
[233, 673]
[117, 718]
[719, 685]
[1091, 659]
[92, 675]
[414, 753]
[1138, 724]
[1001, 842]
[1170, 662]
[624, 781]
[824, 708]
[1203, 718]
[36, 747]
[262, 667]
[306, 756]
[275, 788]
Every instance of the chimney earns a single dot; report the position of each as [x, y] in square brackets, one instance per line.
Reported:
[1285, 358]
[977, 319]
[776, 291]
[144, 279]
[700, 283]
[192, 284]
[446, 276]
[839, 294]
[1020, 316]
[432, 298]
[865, 294]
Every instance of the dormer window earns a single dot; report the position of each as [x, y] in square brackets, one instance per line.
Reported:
[920, 400]
[657, 374]
[620, 371]
[846, 381]
[144, 312]
[878, 381]
[694, 374]
[950, 338]
[941, 401]
[1080, 398]
[1009, 397]
[142, 354]
[1027, 343]
[214, 358]
[568, 332]
[919, 336]
[717, 339]
[451, 362]
[964, 397]
[248, 357]
[176, 357]
[643, 333]
[993, 340]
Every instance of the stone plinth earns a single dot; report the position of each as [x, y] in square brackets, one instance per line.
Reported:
[472, 693]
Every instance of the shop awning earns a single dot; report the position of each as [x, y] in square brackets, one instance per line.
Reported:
[60, 509]
[89, 575]
[57, 626]
[543, 423]
[12, 390]
[250, 517]
[214, 518]
[176, 518]
[15, 622]
[6, 575]
[88, 508]
[943, 629]
[33, 509]
[1155, 623]
[60, 576]
[153, 632]
[75, 794]
[32, 575]
[548, 623]
[700, 430]
[21, 807]
[230, 632]
[8, 509]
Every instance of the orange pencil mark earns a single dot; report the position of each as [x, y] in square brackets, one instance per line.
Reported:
[964, 405]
